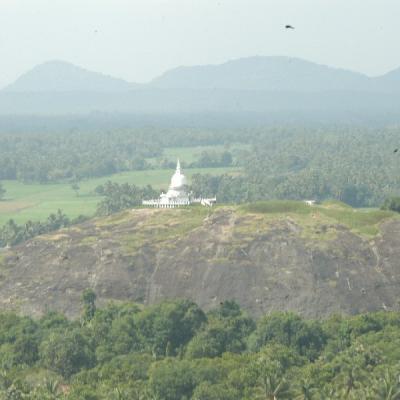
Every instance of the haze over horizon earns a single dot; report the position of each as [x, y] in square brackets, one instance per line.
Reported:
[139, 40]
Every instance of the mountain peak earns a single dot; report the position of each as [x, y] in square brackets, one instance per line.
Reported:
[271, 73]
[63, 76]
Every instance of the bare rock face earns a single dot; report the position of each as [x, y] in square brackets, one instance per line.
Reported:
[308, 264]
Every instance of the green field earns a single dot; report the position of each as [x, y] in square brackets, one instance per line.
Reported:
[25, 202]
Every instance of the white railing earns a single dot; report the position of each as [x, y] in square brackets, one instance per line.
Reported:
[163, 204]
[172, 203]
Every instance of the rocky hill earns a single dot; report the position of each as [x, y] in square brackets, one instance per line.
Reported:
[269, 256]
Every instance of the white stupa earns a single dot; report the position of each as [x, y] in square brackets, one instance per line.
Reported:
[177, 194]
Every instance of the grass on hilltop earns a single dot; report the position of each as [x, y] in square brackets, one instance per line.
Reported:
[363, 222]
[278, 206]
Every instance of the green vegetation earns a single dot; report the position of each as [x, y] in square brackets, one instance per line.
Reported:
[34, 201]
[12, 233]
[355, 166]
[176, 351]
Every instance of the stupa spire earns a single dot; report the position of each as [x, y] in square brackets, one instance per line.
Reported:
[178, 166]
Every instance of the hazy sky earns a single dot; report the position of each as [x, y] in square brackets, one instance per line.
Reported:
[139, 39]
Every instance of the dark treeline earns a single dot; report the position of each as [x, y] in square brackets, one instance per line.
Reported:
[176, 351]
[54, 157]
[118, 197]
[45, 158]
[12, 233]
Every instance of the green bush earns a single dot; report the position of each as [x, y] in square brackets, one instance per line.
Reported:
[392, 204]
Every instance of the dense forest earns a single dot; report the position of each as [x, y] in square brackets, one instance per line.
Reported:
[356, 165]
[176, 351]
[60, 156]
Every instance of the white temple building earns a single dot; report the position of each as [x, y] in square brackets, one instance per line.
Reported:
[177, 194]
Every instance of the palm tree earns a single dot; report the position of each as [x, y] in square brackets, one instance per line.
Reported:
[119, 394]
[305, 389]
[350, 378]
[5, 379]
[388, 387]
[328, 393]
[52, 386]
[272, 384]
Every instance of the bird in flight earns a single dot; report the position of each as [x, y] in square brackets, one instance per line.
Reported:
[289, 27]
[396, 150]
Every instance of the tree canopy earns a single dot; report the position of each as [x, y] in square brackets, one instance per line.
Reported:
[174, 350]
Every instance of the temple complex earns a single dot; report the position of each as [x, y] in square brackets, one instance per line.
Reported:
[177, 194]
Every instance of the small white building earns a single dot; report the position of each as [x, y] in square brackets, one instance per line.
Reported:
[177, 194]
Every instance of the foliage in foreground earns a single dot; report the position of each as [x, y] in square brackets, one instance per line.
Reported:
[176, 351]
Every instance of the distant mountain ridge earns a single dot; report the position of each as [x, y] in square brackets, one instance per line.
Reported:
[265, 85]
[274, 73]
[252, 73]
[263, 73]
